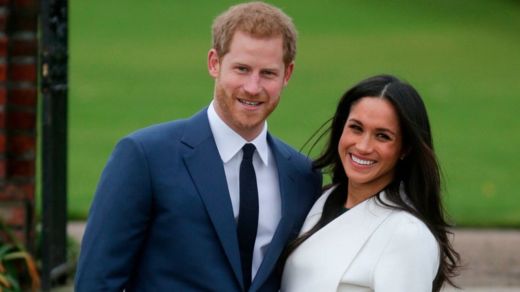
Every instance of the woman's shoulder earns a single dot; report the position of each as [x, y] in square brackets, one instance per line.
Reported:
[409, 233]
[314, 214]
[404, 223]
[408, 243]
[317, 208]
[407, 225]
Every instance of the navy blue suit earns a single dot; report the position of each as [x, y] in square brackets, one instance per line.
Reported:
[162, 218]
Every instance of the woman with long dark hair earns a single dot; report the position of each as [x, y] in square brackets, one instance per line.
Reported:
[380, 225]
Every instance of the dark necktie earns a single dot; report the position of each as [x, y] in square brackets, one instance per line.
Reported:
[248, 212]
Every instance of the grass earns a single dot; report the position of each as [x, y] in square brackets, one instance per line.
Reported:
[135, 63]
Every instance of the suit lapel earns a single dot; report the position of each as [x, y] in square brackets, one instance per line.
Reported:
[207, 172]
[288, 192]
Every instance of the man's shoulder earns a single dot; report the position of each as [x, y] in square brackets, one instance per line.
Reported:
[288, 149]
[167, 131]
[157, 133]
[297, 159]
[164, 127]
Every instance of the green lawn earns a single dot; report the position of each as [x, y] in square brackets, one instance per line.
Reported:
[135, 63]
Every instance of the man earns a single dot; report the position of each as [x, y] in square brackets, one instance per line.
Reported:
[180, 206]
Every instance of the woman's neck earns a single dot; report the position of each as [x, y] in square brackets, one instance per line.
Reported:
[357, 193]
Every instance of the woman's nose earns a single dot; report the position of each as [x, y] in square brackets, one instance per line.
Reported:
[364, 144]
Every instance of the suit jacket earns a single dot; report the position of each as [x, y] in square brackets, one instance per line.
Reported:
[162, 218]
[369, 248]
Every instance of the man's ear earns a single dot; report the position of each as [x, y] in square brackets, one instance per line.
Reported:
[213, 63]
[288, 73]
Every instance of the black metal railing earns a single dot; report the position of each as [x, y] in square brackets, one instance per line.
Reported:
[54, 89]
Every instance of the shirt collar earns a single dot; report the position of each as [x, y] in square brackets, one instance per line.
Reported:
[229, 142]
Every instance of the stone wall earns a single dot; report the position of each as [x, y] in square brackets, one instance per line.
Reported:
[18, 109]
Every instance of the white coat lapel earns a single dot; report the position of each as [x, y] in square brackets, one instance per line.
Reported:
[327, 254]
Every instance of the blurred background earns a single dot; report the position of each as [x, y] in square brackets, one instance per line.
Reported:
[136, 63]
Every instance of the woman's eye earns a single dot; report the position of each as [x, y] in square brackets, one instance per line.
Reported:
[355, 128]
[383, 137]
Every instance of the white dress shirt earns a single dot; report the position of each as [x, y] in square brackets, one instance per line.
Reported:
[229, 145]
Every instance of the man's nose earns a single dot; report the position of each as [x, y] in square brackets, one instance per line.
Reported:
[252, 85]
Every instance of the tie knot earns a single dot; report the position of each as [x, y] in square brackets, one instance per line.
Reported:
[248, 150]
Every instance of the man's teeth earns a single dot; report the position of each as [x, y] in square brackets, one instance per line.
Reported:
[361, 161]
[252, 103]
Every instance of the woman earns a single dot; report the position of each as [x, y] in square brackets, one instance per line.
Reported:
[380, 225]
